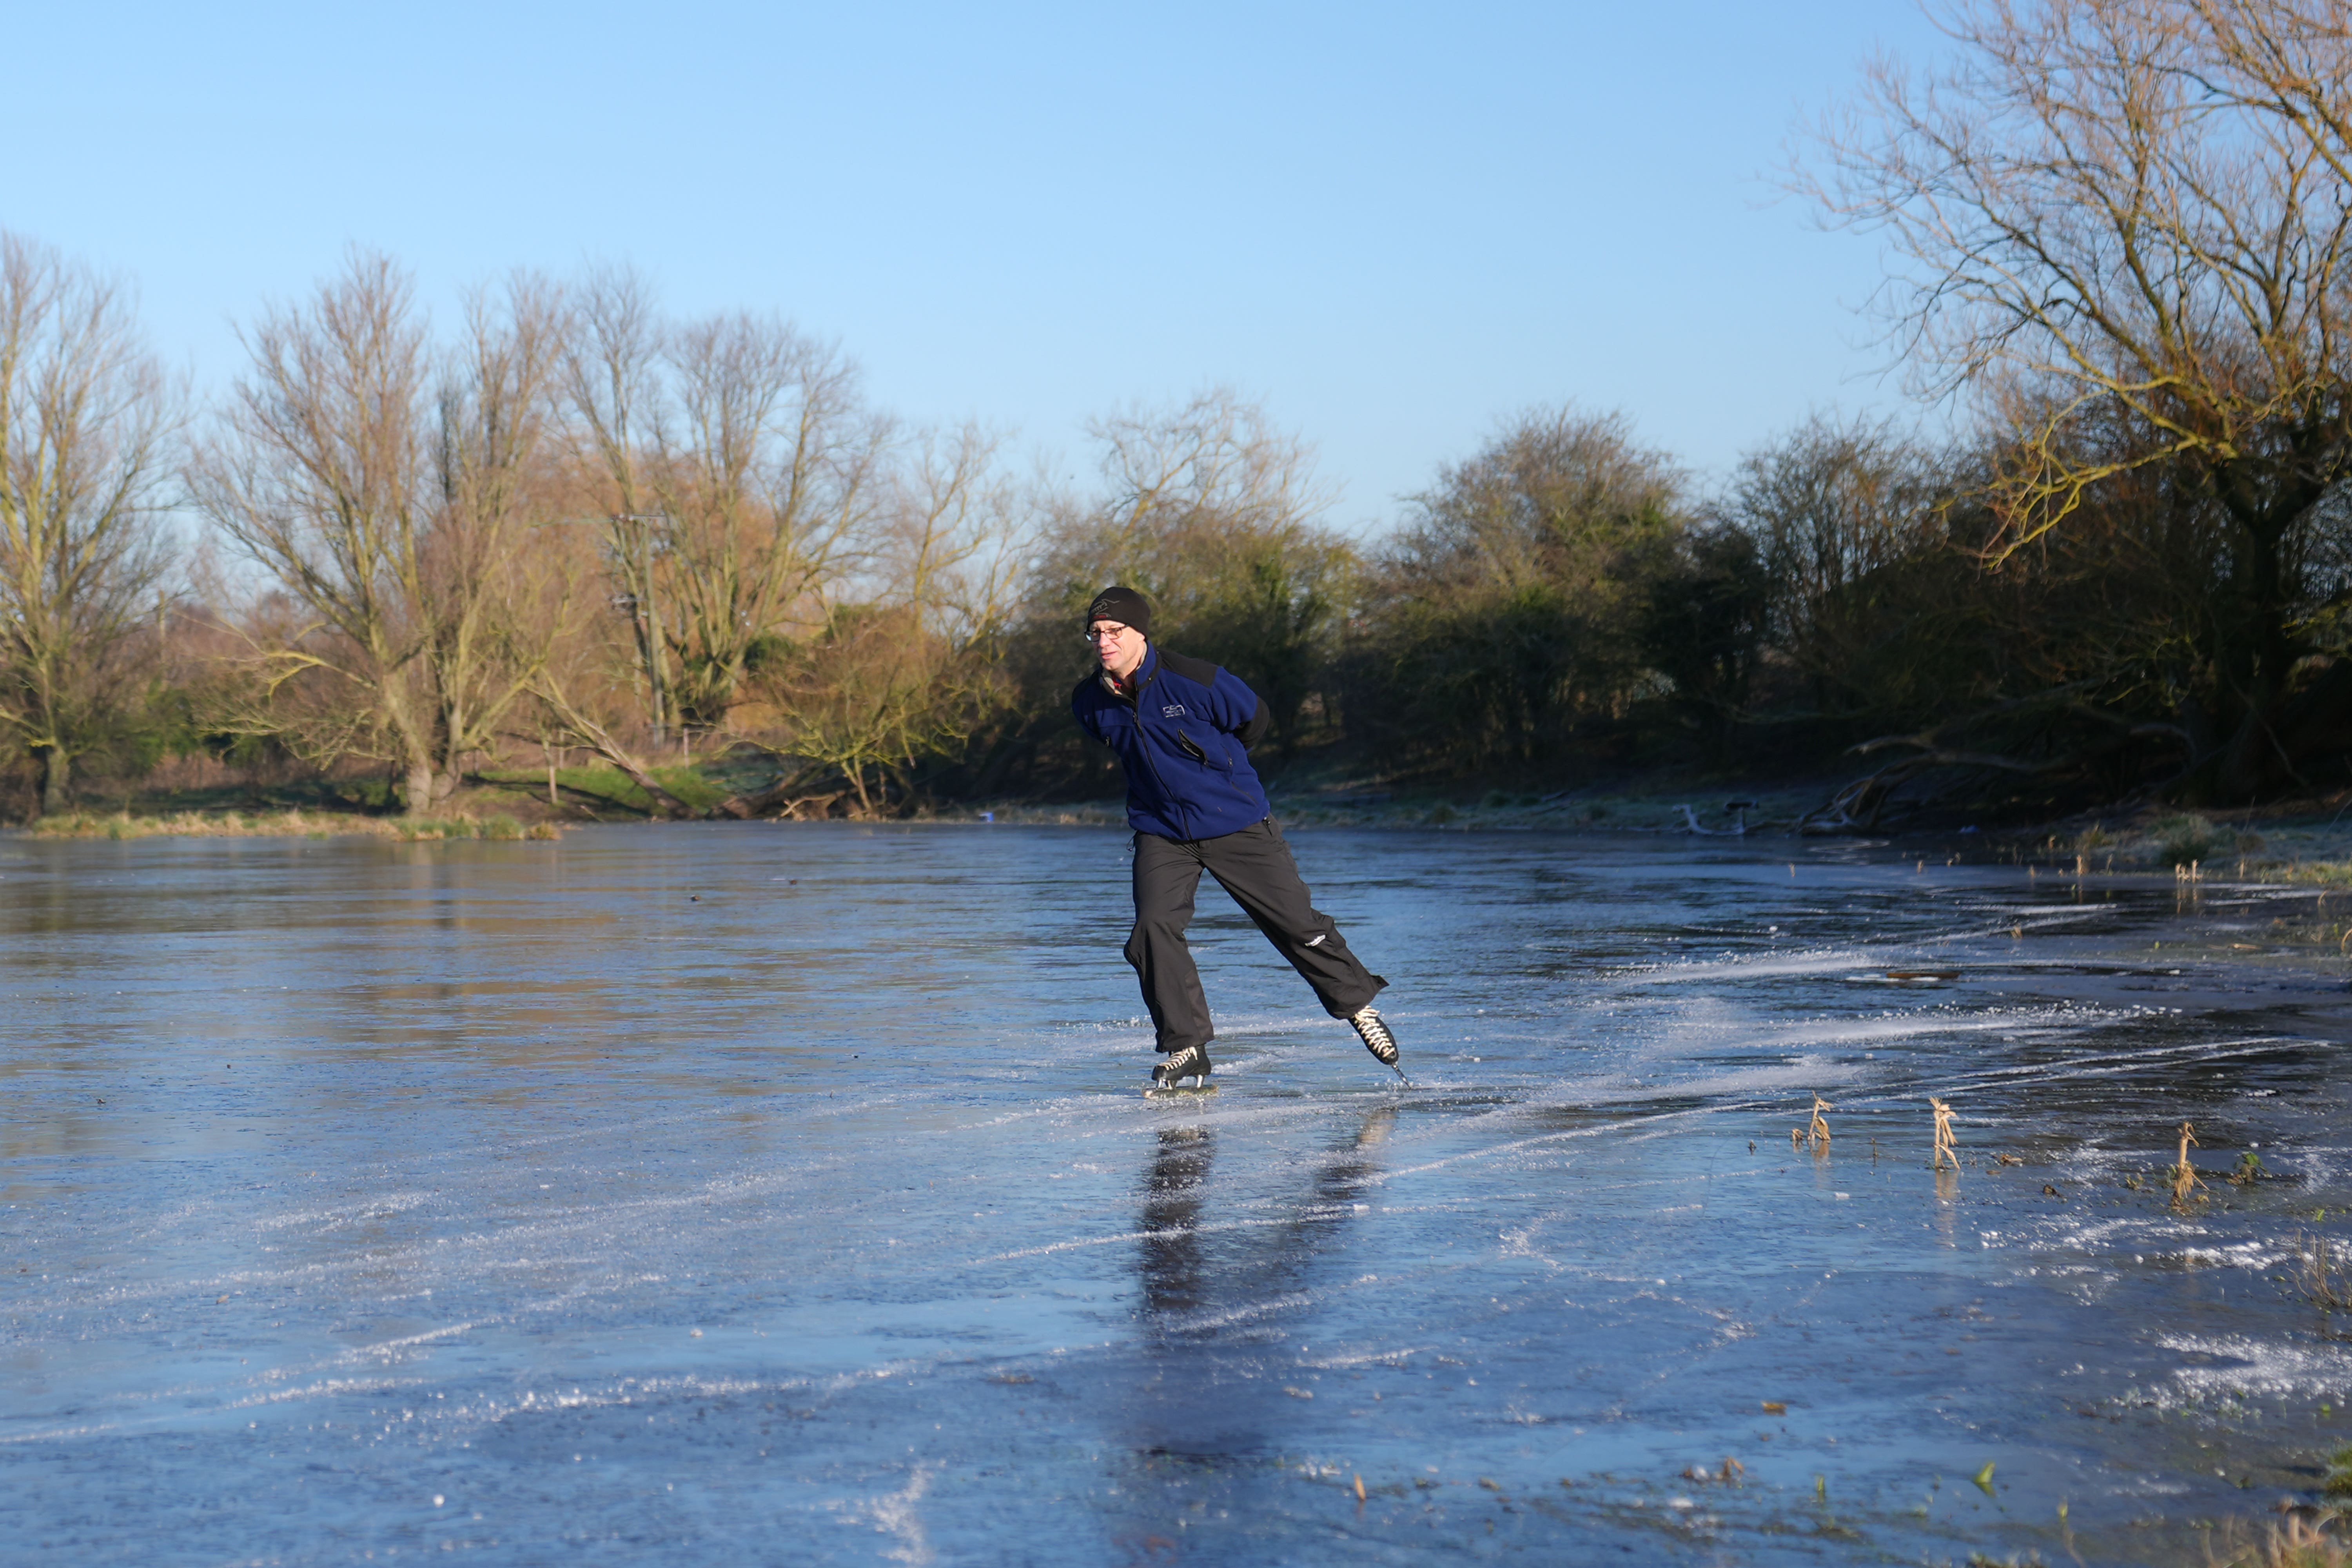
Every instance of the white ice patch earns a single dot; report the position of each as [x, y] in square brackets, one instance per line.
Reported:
[2270, 1369]
[1937, 1020]
[1760, 968]
[2253, 1254]
[895, 1513]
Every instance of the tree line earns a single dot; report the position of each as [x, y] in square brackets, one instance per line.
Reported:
[567, 522]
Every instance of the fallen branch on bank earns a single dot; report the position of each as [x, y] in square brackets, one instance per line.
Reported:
[1857, 808]
[596, 738]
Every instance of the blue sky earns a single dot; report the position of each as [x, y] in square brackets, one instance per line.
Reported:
[1390, 225]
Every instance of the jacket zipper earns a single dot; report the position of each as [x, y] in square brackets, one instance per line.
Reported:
[1135, 702]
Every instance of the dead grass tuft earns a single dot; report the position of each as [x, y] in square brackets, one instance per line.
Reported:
[2321, 1275]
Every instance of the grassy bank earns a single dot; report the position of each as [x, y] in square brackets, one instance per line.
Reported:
[599, 793]
[2306, 842]
[290, 824]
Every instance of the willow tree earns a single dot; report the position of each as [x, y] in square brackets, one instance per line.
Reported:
[905, 674]
[88, 425]
[2121, 226]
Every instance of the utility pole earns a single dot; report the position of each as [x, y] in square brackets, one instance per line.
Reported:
[636, 528]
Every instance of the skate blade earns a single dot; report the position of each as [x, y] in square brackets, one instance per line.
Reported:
[1155, 1091]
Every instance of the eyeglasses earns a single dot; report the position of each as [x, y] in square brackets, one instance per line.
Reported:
[1098, 634]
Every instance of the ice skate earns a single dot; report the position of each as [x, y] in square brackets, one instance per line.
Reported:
[1191, 1062]
[1377, 1037]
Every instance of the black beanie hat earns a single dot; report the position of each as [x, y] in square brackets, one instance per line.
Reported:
[1125, 605]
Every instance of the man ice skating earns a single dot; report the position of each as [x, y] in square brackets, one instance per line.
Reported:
[1182, 728]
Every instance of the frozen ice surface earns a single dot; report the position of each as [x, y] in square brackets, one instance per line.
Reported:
[758, 1193]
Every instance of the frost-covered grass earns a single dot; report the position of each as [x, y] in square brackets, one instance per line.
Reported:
[2243, 845]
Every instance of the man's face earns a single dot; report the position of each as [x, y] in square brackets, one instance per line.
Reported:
[1120, 649]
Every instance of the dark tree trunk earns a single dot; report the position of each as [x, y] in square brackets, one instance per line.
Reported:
[2254, 652]
[57, 779]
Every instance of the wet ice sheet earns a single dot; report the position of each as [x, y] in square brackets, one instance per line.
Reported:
[784, 1193]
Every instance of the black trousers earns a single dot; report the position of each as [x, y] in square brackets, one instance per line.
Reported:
[1255, 866]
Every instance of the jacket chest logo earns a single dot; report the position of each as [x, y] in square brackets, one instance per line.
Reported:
[1173, 710]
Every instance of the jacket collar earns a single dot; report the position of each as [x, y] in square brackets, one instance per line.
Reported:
[1144, 674]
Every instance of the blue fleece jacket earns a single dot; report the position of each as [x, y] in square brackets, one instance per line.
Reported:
[1183, 735]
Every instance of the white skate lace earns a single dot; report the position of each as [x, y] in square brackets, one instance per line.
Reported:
[1376, 1037]
[1190, 1062]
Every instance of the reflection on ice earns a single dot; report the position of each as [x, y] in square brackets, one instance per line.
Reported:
[637, 1203]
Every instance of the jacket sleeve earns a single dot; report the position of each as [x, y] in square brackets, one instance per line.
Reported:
[1082, 711]
[1239, 712]
[1260, 721]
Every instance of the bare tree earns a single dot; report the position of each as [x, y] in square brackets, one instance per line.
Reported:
[767, 474]
[88, 428]
[496, 612]
[1216, 515]
[393, 512]
[2122, 225]
[738, 464]
[613, 384]
[1182, 486]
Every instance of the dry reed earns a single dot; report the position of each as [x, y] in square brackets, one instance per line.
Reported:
[1944, 1144]
[2185, 1179]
